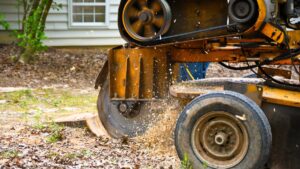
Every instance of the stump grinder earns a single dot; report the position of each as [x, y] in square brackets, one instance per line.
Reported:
[250, 122]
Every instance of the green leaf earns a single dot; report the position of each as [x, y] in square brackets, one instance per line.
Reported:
[3, 22]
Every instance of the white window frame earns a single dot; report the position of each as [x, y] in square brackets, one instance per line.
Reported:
[88, 24]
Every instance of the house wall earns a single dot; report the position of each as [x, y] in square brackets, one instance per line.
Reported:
[59, 30]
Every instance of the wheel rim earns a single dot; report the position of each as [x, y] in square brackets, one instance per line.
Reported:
[145, 20]
[220, 140]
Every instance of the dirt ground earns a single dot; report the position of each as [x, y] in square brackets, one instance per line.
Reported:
[76, 68]
[61, 82]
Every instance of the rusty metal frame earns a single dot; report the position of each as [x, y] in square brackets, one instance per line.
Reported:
[138, 74]
[281, 96]
[253, 88]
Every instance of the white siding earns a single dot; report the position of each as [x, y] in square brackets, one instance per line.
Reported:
[58, 28]
[11, 12]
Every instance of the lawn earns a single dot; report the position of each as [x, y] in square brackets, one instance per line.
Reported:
[47, 103]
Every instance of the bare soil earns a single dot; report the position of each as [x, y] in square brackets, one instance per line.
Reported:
[77, 68]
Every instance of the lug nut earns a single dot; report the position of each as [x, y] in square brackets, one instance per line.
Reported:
[123, 107]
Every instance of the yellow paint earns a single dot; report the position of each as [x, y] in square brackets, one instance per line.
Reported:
[273, 33]
[281, 96]
[138, 73]
[262, 10]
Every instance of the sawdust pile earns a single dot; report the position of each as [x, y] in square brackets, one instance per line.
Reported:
[158, 139]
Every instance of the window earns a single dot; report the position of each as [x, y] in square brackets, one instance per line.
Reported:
[88, 12]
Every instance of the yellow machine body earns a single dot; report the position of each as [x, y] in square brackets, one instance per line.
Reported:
[162, 34]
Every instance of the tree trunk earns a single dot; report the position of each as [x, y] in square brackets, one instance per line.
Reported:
[45, 13]
[27, 55]
[33, 27]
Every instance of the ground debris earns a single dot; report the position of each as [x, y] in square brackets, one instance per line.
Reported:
[23, 149]
[55, 67]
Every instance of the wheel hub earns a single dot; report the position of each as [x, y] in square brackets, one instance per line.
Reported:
[242, 11]
[123, 107]
[129, 109]
[146, 16]
[220, 139]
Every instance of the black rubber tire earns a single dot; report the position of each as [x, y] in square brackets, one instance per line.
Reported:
[256, 123]
[118, 125]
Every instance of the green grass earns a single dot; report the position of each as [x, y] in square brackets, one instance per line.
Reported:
[34, 105]
[38, 100]
[7, 154]
[185, 163]
[80, 154]
[56, 133]
[52, 154]
[17, 100]
[86, 153]
[38, 122]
